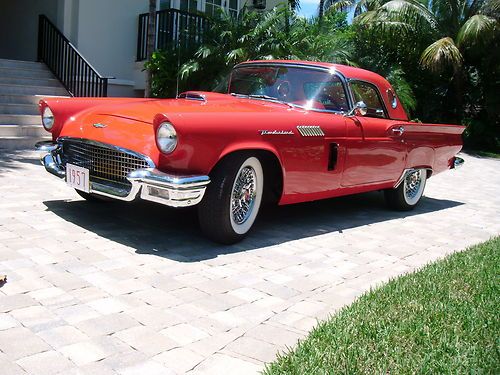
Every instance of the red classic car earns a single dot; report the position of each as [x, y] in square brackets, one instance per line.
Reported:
[279, 131]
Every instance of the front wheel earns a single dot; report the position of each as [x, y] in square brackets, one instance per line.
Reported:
[408, 193]
[232, 200]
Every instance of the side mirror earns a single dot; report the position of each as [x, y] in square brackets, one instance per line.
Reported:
[360, 109]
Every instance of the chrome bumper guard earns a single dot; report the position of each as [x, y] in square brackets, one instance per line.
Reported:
[149, 184]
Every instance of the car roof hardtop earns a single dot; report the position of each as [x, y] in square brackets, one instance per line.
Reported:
[349, 72]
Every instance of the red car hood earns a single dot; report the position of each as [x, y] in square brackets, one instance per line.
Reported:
[127, 122]
[145, 110]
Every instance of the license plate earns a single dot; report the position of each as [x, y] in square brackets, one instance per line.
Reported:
[77, 177]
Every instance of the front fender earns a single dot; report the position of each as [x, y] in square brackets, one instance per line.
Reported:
[248, 145]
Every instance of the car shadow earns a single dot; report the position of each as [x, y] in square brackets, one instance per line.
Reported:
[175, 234]
[10, 159]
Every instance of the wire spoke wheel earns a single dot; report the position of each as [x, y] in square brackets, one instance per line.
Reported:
[412, 182]
[243, 195]
[407, 194]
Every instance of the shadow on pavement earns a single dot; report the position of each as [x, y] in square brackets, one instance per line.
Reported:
[174, 233]
[14, 159]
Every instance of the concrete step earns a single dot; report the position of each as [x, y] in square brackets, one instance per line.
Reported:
[25, 73]
[25, 99]
[20, 64]
[20, 120]
[18, 109]
[47, 82]
[10, 89]
[22, 131]
[21, 143]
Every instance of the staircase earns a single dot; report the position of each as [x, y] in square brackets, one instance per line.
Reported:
[22, 85]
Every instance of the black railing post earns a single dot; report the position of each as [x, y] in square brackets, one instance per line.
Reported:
[175, 27]
[40, 38]
[68, 65]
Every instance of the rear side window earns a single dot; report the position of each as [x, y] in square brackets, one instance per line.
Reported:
[368, 93]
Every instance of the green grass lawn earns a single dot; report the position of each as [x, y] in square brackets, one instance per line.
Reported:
[443, 319]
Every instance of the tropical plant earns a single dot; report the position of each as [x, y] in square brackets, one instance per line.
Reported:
[150, 44]
[277, 34]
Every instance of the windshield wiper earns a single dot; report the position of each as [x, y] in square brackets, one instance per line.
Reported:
[261, 96]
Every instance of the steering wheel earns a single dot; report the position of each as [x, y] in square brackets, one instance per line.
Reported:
[327, 99]
[283, 90]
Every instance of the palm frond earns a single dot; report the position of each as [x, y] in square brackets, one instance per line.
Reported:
[408, 11]
[188, 69]
[441, 54]
[477, 28]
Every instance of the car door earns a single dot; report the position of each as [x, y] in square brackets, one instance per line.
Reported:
[375, 148]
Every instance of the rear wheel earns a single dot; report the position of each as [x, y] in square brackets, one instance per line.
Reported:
[407, 195]
[232, 200]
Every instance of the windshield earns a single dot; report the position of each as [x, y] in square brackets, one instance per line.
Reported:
[304, 87]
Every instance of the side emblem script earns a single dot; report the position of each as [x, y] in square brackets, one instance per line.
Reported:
[276, 132]
[99, 125]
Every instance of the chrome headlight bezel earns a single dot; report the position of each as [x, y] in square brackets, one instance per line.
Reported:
[166, 137]
[47, 119]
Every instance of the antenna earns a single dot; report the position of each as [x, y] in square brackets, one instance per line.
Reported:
[178, 63]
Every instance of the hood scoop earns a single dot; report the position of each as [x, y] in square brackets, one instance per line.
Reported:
[192, 95]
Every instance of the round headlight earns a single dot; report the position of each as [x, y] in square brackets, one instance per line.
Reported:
[47, 118]
[166, 137]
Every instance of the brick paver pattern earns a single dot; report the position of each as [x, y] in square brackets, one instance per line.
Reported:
[118, 288]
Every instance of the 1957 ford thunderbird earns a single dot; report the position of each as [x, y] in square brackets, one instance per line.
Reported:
[279, 131]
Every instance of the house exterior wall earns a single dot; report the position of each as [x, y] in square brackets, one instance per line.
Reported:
[104, 31]
[107, 37]
[19, 26]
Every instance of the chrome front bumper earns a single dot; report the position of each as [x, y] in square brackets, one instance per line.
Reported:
[149, 183]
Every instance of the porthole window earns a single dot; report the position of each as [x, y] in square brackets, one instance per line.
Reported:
[392, 98]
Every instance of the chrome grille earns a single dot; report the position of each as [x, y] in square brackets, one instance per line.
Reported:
[103, 162]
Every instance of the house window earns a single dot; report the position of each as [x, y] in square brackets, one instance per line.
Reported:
[189, 5]
[212, 7]
[165, 4]
[233, 7]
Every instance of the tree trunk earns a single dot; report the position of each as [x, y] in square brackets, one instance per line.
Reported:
[151, 41]
[321, 9]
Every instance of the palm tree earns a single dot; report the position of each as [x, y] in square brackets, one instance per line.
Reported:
[452, 27]
[150, 46]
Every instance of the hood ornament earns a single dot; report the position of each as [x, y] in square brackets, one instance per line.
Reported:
[99, 125]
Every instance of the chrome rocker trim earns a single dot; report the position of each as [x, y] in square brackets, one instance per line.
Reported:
[172, 190]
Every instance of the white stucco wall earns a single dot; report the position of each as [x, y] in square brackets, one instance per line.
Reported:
[107, 37]
[19, 26]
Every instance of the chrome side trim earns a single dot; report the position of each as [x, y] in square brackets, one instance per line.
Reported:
[457, 162]
[310, 131]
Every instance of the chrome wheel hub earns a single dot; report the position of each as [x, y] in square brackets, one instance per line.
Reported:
[243, 195]
[412, 183]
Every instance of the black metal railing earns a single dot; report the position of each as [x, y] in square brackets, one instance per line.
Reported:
[174, 29]
[68, 65]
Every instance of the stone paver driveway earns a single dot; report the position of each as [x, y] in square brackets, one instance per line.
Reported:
[118, 288]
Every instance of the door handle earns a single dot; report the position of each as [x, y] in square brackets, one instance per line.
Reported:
[398, 131]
